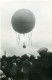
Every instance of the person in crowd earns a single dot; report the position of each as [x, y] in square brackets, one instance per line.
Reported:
[13, 70]
[25, 68]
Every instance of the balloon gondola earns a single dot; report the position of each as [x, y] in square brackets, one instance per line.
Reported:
[23, 22]
[24, 46]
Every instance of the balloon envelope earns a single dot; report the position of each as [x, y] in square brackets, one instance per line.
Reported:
[23, 21]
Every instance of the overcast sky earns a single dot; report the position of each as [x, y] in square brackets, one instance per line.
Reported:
[41, 34]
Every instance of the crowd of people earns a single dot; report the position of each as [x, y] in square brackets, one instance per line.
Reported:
[27, 67]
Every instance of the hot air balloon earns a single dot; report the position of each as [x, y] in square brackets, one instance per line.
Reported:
[23, 21]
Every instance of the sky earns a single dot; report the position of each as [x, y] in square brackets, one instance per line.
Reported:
[41, 34]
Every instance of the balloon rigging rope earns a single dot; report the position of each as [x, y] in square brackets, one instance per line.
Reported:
[18, 38]
[30, 38]
[27, 38]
